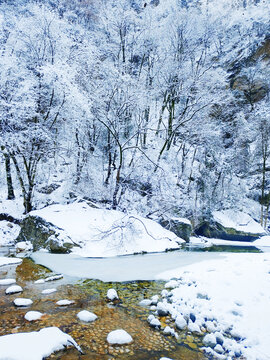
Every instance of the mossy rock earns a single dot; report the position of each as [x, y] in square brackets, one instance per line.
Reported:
[180, 227]
[43, 235]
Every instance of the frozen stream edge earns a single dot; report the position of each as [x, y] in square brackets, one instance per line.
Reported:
[120, 268]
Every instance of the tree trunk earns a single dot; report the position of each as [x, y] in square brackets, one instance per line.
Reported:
[11, 195]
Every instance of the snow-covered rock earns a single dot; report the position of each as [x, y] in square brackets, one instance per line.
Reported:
[162, 309]
[13, 289]
[231, 225]
[119, 337]
[180, 322]
[101, 232]
[145, 302]
[34, 345]
[112, 295]
[54, 277]
[23, 246]
[64, 302]
[33, 315]
[210, 340]
[154, 299]
[87, 316]
[48, 291]
[7, 281]
[168, 331]
[39, 281]
[22, 302]
[155, 323]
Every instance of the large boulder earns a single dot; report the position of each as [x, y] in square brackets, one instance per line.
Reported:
[179, 226]
[230, 225]
[44, 235]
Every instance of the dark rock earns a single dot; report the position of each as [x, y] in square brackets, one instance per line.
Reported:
[9, 218]
[192, 317]
[48, 189]
[182, 228]
[212, 229]
[43, 235]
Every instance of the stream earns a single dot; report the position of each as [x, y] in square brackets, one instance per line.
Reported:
[86, 281]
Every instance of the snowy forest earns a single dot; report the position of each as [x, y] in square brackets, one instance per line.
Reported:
[148, 106]
[134, 179]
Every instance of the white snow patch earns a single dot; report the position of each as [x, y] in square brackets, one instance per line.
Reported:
[34, 345]
[86, 316]
[22, 302]
[103, 233]
[238, 220]
[32, 315]
[13, 289]
[119, 337]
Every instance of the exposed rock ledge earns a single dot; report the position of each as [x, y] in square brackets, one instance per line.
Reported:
[231, 225]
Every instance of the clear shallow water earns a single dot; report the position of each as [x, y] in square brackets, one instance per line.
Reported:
[91, 295]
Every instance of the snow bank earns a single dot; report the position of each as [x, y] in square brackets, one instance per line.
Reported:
[8, 232]
[229, 294]
[264, 241]
[34, 345]
[9, 261]
[238, 220]
[103, 233]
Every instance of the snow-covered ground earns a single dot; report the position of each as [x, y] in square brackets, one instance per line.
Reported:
[103, 233]
[34, 345]
[228, 295]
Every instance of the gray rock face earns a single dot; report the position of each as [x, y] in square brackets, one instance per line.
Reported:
[44, 235]
[181, 227]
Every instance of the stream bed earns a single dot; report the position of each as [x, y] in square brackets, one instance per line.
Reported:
[89, 294]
